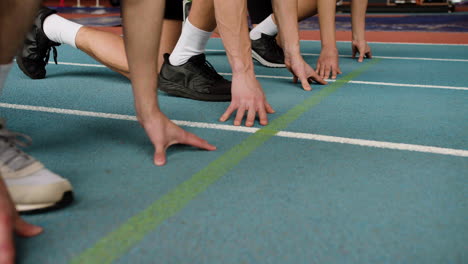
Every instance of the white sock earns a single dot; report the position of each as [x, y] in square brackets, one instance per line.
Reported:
[61, 30]
[192, 42]
[4, 70]
[267, 27]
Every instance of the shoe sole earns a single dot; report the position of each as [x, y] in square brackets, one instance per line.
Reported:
[266, 63]
[19, 61]
[67, 199]
[180, 91]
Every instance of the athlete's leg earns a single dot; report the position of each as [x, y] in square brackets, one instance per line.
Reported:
[202, 15]
[31, 186]
[106, 47]
[196, 32]
[171, 31]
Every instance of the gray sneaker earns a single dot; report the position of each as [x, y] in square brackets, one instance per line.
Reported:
[32, 187]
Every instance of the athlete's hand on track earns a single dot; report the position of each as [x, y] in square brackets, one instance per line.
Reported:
[11, 223]
[247, 96]
[327, 63]
[362, 48]
[302, 71]
[163, 133]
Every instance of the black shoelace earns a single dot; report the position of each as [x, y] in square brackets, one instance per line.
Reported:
[210, 71]
[47, 55]
[273, 46]
[13, 140]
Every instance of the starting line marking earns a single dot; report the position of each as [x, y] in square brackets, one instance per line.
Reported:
[290, 78]
[377, 57]
[287, 134]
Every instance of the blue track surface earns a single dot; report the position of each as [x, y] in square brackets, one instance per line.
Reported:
[291, 200]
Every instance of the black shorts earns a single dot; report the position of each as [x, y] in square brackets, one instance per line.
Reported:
[259, 10]
[174, 10]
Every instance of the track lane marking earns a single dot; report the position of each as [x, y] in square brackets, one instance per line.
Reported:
[287, 134]
[290, 78]
[378, 57]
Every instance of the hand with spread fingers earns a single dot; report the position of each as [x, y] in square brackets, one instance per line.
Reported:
[163, 133]
[362, 48]
[358, 22]
[287, 17]
[247, 98]
[302, 71]
[11, 224]
[142, 45]
[327, 63]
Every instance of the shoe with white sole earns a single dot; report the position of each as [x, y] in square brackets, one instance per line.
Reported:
[32, 187]
[33, 57]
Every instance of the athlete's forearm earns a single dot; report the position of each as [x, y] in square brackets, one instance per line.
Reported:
[286, 18]
[326, 12]
[142, 21]
[231, 18]
[358, 18]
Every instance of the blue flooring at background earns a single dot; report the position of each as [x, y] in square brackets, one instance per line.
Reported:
[456, 22]
[290, 201]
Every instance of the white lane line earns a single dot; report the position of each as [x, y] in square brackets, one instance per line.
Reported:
[376, 144]
[390, 43]
[290, 78]
[411, 85]
[79, 64]
[397, 58]
[378, 57]
[371, 83]
[307, 136]
[416, 58]
[260, 76]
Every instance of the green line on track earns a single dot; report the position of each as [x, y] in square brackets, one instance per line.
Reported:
[119, 241]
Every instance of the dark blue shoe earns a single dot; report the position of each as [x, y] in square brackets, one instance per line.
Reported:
[34, 55]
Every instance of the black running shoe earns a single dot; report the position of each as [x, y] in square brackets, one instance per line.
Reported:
[196, 79]
[266, 51]
[34, 55]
